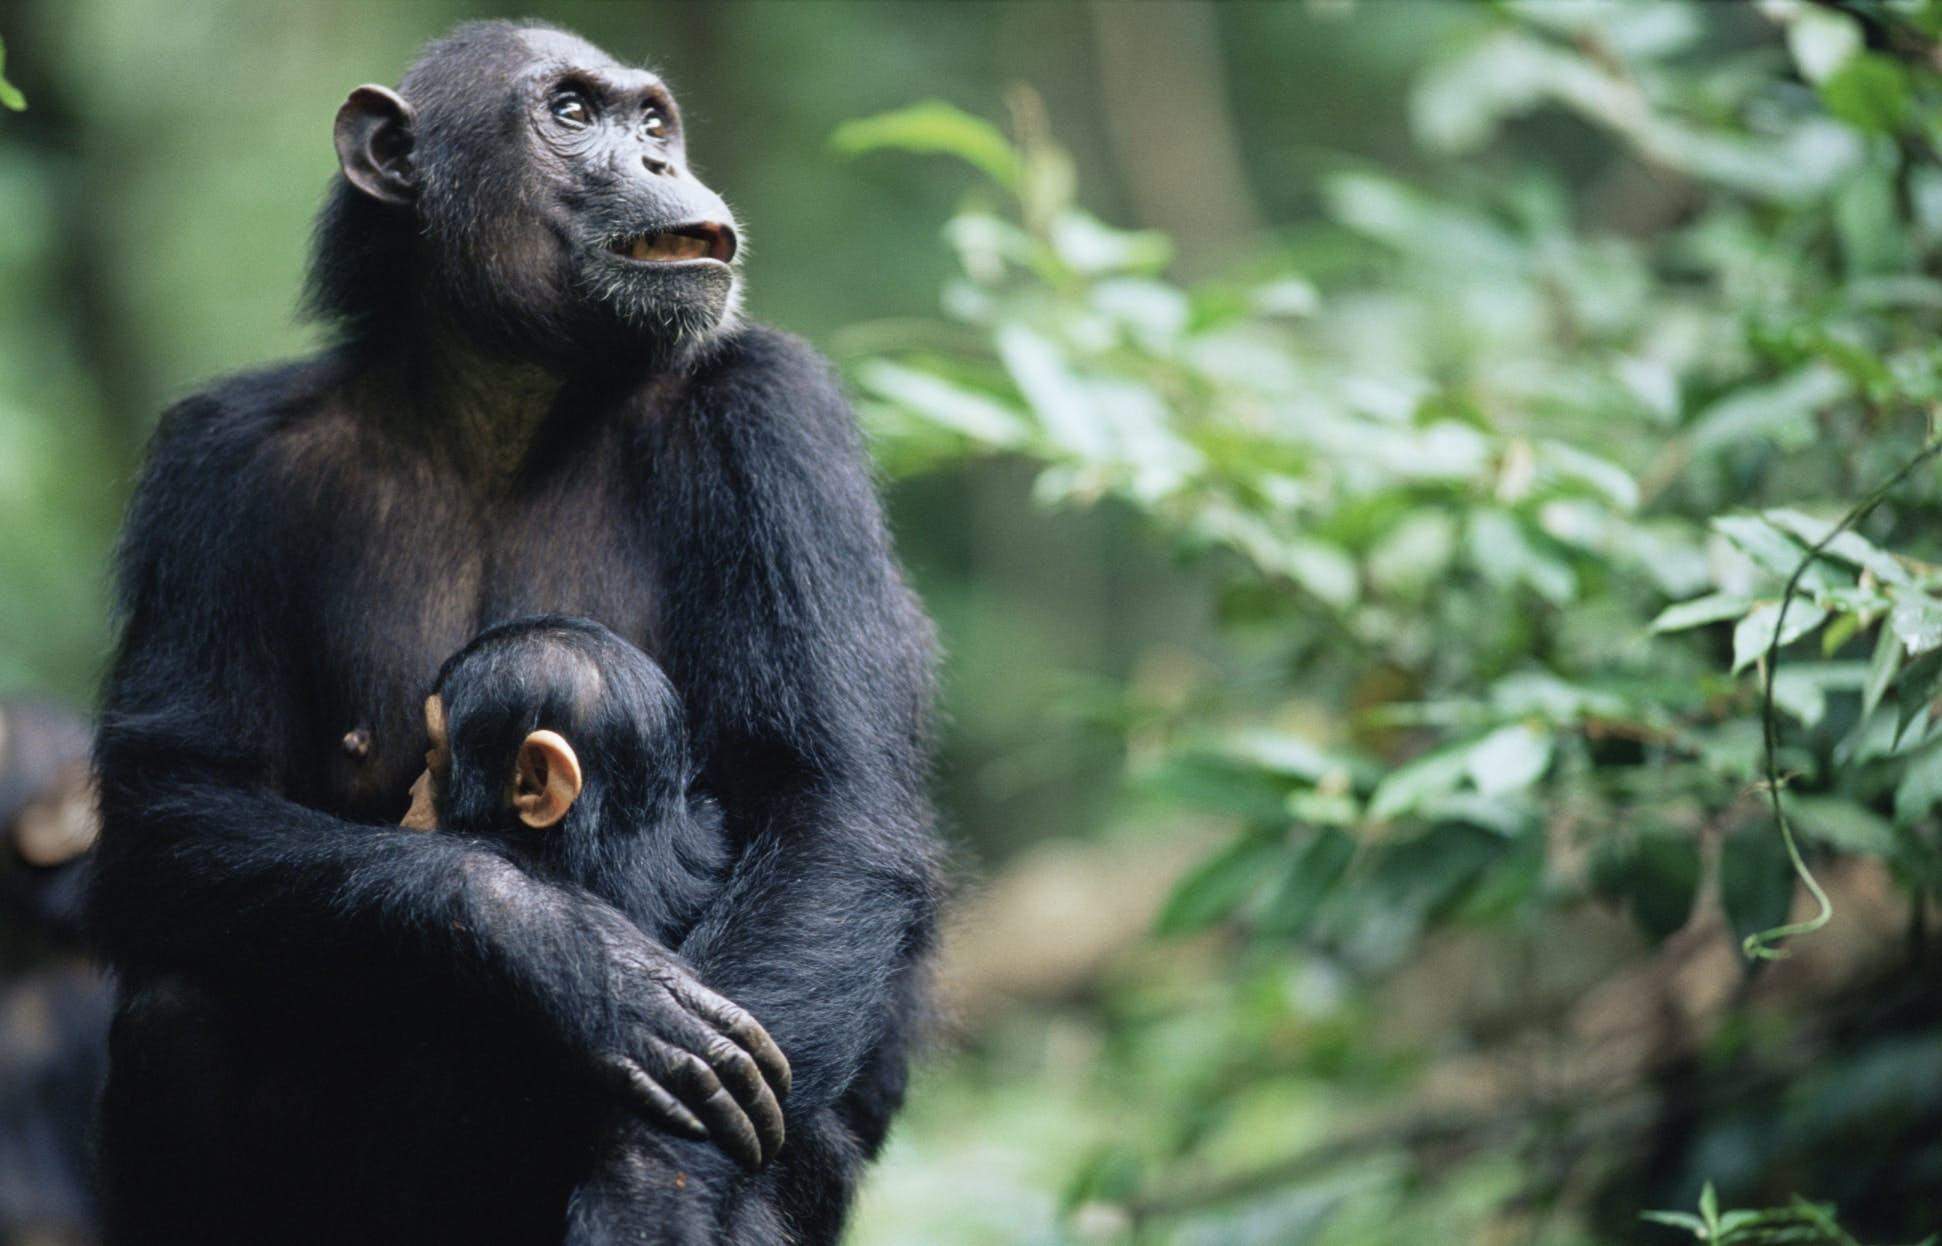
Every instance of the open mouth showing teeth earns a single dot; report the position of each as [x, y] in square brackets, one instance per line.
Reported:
[705, 241]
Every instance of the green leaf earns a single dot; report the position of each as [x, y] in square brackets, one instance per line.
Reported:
[1850, 546]
[1700, 611]
[1840, 823]
[1509, 759]
[1916, 689]
[1823, 42]
[1219, 885]
[1870, 93]
[1434, 774]
[1656, 875]
[1771, 548]
[935, 400]
[1882, 667]
[10, 95]
[1783, 410]
[1282, 753]
[1801, 688]
[934, 127]
[1309, 880]
[1755, 633]
[1756, 880]
[1504, 552]
[1917, 619]
[1920, 789]
[1090, 246]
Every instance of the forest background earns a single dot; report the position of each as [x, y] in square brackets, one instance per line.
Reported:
[1364, 460]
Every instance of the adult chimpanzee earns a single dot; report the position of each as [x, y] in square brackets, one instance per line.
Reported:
[566, 746]
[541, 401]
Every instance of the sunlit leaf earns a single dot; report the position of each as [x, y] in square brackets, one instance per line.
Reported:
[10, 96]
[1610, 480]
[1503, 551]
[1771, 548]
[1509, 759]
[1755, 633]
[1433, 775]
[1702, 610]
[975, 415]
[1850, 546]
[1869, 92]
[1917, 621]
[938, 128]
[1822, 41]
[1783, 411]
[1090, 246]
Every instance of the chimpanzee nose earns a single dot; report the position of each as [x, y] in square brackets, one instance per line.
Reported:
[659, 168]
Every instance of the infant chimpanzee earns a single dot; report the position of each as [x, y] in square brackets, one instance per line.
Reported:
[566, 747]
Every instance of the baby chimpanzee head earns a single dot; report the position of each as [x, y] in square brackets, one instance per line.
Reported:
[552, 722]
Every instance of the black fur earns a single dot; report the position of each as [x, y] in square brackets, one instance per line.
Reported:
[308, 542]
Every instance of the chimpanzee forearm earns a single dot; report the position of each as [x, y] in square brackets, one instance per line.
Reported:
[242, 886]
[841, 914]
[812, 709]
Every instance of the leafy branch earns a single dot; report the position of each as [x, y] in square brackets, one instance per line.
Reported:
[1764, 944]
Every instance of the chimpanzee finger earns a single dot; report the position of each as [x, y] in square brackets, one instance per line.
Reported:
[689, 1076]
[647, 1094]
[737, 1023]
[742, 1077]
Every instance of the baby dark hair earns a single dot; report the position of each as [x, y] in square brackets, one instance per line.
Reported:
[609, 700]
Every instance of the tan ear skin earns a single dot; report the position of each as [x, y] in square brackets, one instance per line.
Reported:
[374, 141]
[546, 779]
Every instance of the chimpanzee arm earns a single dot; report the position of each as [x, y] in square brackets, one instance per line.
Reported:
[206, 869]
[806, 666]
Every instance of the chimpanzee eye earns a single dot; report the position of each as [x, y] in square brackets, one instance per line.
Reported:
[570, 108]
[655, 125]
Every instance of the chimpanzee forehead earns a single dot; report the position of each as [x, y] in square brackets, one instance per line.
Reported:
[560, 49]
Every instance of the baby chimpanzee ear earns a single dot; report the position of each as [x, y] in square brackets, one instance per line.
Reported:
[546, 779]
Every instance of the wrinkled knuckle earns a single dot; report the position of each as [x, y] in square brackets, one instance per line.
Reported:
[722, 1053]
[695, 1071]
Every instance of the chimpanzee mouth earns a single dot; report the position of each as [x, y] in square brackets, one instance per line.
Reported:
[702, 241]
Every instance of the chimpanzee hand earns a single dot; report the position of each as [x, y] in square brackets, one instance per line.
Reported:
[686, 1058]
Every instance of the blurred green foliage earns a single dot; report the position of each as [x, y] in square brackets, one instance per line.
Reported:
[1501, 484]
[1413, 519]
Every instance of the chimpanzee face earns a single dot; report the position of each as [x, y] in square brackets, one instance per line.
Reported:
[637, 235]
[542, 198]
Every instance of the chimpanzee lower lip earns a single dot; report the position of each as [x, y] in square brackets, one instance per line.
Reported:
[683, 243]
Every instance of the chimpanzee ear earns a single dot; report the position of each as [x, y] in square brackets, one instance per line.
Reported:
[374, 142]
[546, 779]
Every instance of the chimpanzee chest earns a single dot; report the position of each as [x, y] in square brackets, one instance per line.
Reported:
[452, 560]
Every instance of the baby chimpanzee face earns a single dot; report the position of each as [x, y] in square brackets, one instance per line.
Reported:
[430, 787]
